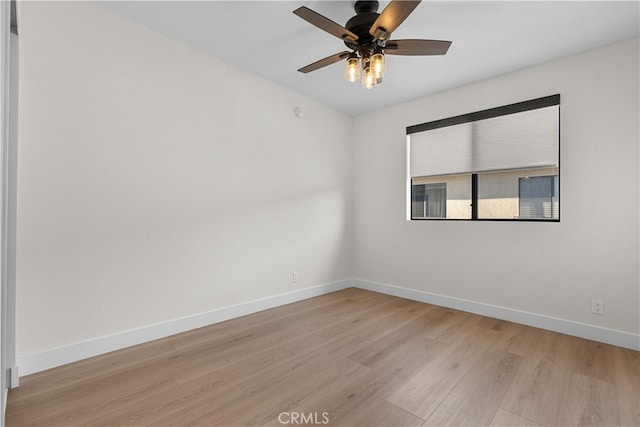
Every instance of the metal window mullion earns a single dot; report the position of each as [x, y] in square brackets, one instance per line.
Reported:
[474, 196]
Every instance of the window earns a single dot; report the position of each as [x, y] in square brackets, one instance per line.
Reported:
[539, 197]
[475, 166]
[429, 200]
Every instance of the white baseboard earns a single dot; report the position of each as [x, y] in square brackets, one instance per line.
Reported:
[59, 356]
[14, 377]
[582, 330]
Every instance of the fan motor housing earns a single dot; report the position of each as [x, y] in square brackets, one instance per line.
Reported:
[360, 24]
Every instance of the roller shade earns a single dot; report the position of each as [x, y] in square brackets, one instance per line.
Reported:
[441, 151]
[526, 139]
[523, 140]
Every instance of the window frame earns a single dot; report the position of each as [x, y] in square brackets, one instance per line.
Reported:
[504, 110]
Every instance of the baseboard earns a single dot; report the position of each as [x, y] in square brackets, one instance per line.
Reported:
[582, 330]
[14, 377]
[59, 356]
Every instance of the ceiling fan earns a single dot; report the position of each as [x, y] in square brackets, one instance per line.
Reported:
[367, 35]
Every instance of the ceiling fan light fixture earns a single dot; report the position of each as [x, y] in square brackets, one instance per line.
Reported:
[369, 79]
[352, 71]
[367, 35]
[378, 65]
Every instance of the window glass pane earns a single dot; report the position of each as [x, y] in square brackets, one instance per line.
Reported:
[429, 201]
[518, 194]
[418, 204]
[539, 197]
[441, 197]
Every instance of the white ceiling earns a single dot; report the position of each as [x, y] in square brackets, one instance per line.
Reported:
[489, 38]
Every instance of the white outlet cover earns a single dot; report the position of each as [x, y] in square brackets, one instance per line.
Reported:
[597, 306]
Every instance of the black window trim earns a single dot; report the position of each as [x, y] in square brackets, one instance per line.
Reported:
[505, 110]
[518, 107]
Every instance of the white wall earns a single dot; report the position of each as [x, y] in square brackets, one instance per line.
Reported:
[549, 269]
[156, 182]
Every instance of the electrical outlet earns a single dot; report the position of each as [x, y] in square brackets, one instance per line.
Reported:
[597, 306]
[294, 277]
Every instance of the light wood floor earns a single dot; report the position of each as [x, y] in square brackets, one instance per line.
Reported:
[351, 357]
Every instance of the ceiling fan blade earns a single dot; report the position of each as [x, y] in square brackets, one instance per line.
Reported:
[324, 23]
[417, 47]
[391, 17]
[324, 62]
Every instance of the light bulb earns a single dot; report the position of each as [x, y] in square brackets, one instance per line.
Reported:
[368, 79]
[370, 82]
[377, 65]
[352, 69]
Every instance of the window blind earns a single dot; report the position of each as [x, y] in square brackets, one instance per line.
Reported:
[442, 151]
[525, 139]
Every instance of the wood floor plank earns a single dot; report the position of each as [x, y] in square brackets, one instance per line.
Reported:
[379, 414]
[476, 397]
[627, 371]
[268, 393]
[442, 320]
[334, 375]
[391, 342]
[504, 418]
[70, 407]
[359, 400]
[520, 339]
[430, 386]
[200, 398]
[390, 317]
[84, 371]
[458, 327]
[592, 359]
[363, 358]
[353, 404]
[587, 401]
[160, 403]
[185, 369]
[357, 320]
[535, 392]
